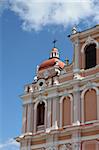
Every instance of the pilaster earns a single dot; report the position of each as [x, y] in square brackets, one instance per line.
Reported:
[24, 118]
[45, 121]
[54, 115]
[76, 105]
[26, 144]
[76, 140]
[34, 128]
[76, 55]
[49, 114]
[30, 118]
[60, 114]
[50, 142]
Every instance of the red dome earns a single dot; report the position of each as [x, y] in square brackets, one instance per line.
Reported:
[50, 63]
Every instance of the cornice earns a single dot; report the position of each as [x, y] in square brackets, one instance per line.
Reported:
[52, 92]
[85, 33]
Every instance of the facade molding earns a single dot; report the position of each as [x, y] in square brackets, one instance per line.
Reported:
[90, 85]
[85, 138]
[67, 84]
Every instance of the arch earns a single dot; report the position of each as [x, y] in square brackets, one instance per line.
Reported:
[70, 105]
[83, 99]
[89, 41]
[35, 106]
[35, 114]
[40, 113]
[90, 56]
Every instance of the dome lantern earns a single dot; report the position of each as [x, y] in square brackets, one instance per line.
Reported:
[54, 53]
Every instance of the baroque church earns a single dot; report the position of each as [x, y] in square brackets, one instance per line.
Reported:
[61, 105]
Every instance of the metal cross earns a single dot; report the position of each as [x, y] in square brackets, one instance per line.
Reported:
[54, 42]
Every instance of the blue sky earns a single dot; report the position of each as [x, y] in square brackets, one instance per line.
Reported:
[27, 29]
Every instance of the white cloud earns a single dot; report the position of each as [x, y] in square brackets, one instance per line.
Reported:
[36, 14]
[10, 144]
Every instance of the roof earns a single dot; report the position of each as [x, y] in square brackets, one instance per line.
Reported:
[50, 63]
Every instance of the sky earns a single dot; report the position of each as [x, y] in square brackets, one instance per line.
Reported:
[27, 29]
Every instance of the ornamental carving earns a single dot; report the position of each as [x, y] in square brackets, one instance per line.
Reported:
[77, 145]
[89, 40]
[51, 148]
[63, 147]
[67, 146]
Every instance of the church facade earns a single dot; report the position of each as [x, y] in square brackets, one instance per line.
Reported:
[61, 106]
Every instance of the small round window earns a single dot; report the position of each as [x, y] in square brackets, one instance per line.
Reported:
[41, 83]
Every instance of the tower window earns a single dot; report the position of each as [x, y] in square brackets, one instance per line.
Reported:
[90, 56]
[40, 113]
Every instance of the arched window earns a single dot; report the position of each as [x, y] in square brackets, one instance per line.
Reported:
[90, 105]
[40, 113]
[90, 56]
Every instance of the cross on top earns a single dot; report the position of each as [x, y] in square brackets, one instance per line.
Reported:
[54, 42]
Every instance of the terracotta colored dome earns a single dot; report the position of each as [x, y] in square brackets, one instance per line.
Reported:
[50, 63]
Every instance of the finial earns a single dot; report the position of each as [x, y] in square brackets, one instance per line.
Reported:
[74, 30]
[67, 61]
[54, 42]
